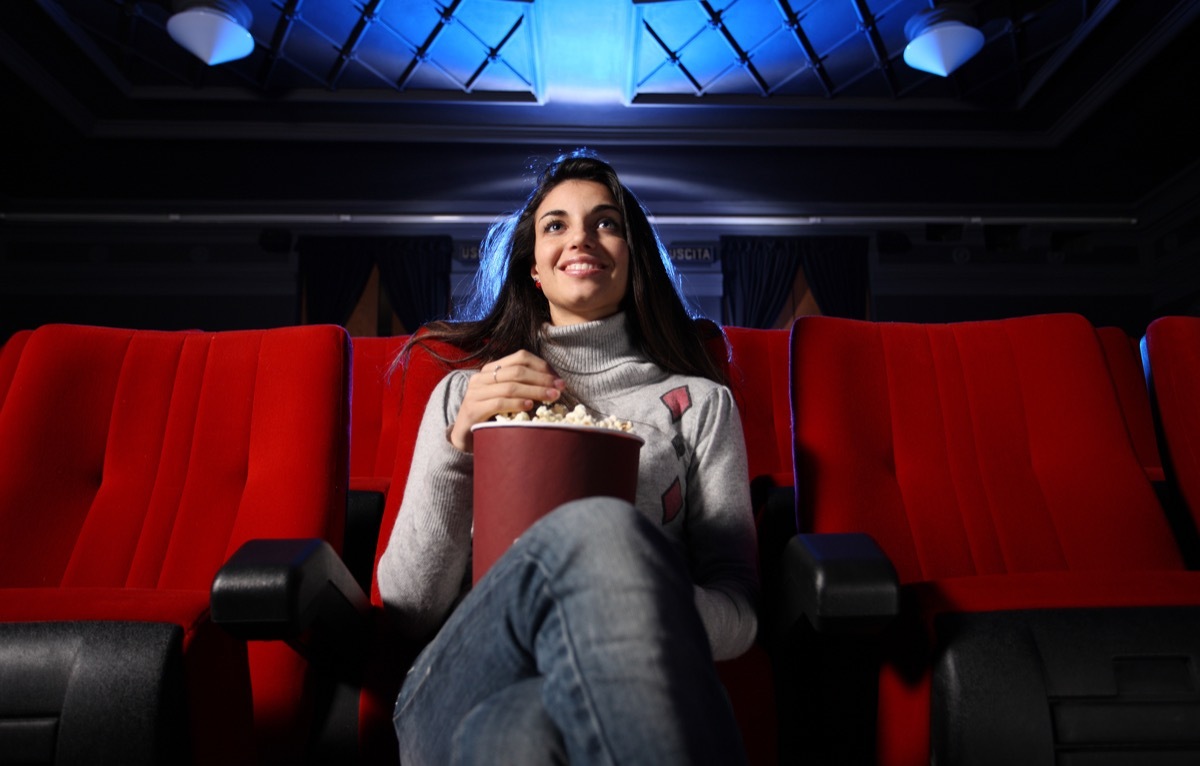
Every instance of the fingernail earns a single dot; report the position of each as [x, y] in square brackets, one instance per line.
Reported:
[552, 394]
[560, 384]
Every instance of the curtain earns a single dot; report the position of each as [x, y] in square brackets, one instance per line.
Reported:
[836, 270]
[415, 272]
[758, 274]
[416, 275]
[333, 273]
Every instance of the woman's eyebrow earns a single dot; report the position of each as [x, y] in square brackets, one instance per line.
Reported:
[598, 208]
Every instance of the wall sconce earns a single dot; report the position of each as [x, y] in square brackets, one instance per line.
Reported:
[941, 39]
[215, 31]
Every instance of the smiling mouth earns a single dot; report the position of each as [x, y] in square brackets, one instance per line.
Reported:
[583, 268]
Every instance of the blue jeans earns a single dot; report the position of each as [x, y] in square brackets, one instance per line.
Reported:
[581, 643]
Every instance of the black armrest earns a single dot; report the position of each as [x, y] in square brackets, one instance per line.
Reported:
[843, 583]
[93, 692]
[298, 591]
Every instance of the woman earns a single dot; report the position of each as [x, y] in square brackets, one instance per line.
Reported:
[592, 639]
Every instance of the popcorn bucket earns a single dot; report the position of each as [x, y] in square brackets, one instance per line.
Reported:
[524, 470]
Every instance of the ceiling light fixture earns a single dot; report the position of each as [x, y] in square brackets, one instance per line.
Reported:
[941, 39]
[215, 31]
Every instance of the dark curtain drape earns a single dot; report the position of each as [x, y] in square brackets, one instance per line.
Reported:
[836, 270]
[758, 274]
[333, 273]
[416, 276]
[414, 271]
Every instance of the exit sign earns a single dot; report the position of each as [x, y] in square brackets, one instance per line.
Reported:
[692, 253]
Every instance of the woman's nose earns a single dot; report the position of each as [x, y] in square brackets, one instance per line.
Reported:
[583, 237]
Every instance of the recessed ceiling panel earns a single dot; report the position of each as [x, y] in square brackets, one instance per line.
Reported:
[780, 60]
[368, 61]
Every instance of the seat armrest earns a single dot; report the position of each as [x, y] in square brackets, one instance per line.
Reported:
[842, 583]
[293, 590]
[96, 691]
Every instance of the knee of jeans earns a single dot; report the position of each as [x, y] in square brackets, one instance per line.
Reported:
[513, 723]
[602, 530]
[595, 519]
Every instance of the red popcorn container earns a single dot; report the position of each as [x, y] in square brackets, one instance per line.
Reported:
[524, 470]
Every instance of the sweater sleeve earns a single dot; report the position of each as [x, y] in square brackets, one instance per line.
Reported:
[423, 569]
[721, 538]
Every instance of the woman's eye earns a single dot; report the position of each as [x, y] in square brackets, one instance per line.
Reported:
[610, 223]
[553, 226]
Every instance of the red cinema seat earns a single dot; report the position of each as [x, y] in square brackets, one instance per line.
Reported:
[263, 589]
[374, 411]
[133, 464]
[1171, 347]
[358, 726]
[983, 559]
[758, 369]
[374, 430]
[758, 372]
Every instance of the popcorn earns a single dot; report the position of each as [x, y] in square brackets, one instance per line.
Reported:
[558, 413]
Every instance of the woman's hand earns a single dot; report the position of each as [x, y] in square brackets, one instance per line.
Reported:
[511, 384]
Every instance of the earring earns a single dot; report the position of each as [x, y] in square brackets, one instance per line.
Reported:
[537, 283]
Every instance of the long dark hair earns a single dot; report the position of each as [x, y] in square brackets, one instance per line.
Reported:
[506, 312]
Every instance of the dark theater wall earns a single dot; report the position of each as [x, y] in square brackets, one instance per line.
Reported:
[152, 225]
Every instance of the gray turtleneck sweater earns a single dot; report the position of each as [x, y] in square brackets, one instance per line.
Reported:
[692, 479]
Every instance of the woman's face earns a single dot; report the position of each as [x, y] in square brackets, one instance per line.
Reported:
[580, 255]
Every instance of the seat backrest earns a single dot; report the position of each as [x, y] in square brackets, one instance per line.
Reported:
[971, 448]
[747, 678]
[143, 459]
[1172, 351]
[375, 406]
[1124, 359]
[389, 657]
[758, 373]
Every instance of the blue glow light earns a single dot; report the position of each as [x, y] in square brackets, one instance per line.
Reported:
[215, 35]
[585, 51]
[942, 48]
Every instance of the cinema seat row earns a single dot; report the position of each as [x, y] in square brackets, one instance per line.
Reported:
[978, 542]
[133, 464]
[1043, 610]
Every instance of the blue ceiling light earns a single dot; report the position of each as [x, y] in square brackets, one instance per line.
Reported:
[215, 31]
[941, 39]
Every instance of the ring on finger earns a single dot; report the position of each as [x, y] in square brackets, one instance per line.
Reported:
[495, 370]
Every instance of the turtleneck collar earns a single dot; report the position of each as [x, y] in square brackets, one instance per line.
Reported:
[589, 347]
[597, 356]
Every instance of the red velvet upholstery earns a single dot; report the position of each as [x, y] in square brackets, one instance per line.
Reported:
[758, 374]
[374, 412]
[1172, 346]
[991, 462]
[133, 463]
[1124, 358]
[389, 658]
